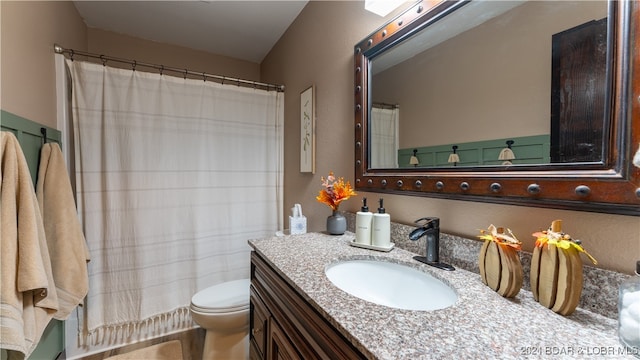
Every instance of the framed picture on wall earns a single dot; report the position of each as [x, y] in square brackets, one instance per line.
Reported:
[307, 131]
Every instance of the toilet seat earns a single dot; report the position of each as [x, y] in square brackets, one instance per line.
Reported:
[225, 297]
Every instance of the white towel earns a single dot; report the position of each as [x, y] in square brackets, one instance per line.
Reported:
[28, 297]
[65, 239]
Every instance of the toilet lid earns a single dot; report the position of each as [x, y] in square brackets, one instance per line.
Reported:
[228, 296]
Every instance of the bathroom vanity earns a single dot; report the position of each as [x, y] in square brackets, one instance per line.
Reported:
[298, 313]
[285, 326]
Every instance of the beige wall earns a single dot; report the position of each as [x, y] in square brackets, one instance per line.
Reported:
[28, 30]
[122, 46]
[318, 49]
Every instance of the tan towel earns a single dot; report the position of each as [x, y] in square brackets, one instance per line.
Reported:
[28, 297]
[65, 239]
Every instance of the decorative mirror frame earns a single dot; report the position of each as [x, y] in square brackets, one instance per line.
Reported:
[610, 187]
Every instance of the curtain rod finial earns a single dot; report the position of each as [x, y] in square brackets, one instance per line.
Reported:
[58, 49]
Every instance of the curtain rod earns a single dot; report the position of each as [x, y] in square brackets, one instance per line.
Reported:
[161, 68]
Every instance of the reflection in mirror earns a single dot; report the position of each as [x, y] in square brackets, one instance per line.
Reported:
[505, 82]
[493, 115]
[384, 135]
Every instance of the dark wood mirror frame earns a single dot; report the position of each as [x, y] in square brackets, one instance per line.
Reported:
[612, 186]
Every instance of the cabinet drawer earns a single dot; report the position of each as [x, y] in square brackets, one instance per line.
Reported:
[258, 329]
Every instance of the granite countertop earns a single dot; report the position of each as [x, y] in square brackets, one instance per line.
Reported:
[481, 324]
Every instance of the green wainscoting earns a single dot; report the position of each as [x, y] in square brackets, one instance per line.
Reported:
[527, 150]
[30, 137]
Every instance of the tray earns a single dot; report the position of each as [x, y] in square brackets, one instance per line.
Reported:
[371, 247]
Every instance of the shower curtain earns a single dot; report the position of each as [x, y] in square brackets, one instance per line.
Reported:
[384, 137]
[173, 176]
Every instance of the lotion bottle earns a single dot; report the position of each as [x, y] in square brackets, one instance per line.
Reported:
[364, 219]
[381, 234]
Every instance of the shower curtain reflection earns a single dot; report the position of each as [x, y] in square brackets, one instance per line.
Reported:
[173, 176]
[384, 136]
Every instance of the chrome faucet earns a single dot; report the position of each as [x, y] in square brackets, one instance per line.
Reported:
[430, 227]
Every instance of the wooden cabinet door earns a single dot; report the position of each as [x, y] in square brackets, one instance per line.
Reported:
[280, 348]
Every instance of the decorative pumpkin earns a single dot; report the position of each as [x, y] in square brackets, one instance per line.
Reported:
[499, 262]
[556, 269]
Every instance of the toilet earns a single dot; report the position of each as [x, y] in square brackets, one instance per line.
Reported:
[223, 311]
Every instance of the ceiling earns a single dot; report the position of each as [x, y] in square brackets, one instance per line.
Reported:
[240, 29]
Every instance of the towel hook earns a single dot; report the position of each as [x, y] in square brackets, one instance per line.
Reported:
[43, 131]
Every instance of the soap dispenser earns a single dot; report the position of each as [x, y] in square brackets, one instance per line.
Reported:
[381, 234]
[364, 219]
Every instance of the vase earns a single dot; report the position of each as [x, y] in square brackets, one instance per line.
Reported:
[336, 223]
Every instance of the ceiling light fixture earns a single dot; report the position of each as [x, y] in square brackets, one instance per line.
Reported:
[382, 7]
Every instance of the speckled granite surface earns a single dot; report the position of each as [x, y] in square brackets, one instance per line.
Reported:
[481, 324]
[599, 289]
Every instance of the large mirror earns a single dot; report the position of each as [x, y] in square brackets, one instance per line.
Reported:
[528, 102]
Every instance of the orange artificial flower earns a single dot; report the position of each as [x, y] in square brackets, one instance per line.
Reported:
[334, 191]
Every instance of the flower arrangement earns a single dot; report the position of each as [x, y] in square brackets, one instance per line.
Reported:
[334, 191]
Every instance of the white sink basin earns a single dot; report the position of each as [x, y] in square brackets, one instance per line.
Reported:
[389, 284]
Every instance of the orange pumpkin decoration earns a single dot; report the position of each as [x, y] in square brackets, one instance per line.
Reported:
[499, 262]
[556, 270]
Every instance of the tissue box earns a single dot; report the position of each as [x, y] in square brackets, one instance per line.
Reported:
[298, 225]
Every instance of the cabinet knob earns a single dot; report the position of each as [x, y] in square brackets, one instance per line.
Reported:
[255, 332]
